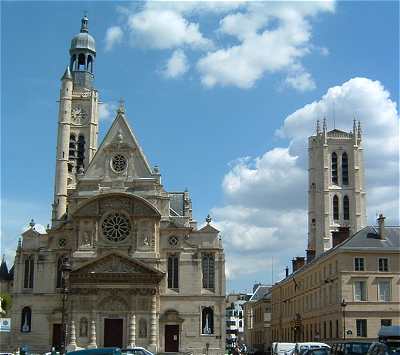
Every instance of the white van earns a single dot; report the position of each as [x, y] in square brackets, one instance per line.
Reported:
[300, 348]
[282, 348]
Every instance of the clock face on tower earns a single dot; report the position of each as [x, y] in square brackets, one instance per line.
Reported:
[79, 115]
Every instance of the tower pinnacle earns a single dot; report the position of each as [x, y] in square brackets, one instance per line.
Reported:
[84, 24]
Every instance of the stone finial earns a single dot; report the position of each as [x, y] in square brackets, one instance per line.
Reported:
[359, 131]
[208, 219]
[324, 124]
[84, 24]
[156, 169]
[32, 223]
[121, 107]
[354, 127]
[318, 128]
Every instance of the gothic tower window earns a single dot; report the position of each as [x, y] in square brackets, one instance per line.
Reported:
[90, 63]
[81, 152]
[73, 62]
[207, 321]
[345, 169]
[29, 271]
[142, 328]
[334, 168]
[335, 208]
[346, 208]
[208, 268]
[173, 271]
[26, 320]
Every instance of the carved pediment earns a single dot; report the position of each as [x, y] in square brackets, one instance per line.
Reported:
[115, 268]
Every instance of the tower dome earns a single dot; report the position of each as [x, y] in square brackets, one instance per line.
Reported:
[83, 40]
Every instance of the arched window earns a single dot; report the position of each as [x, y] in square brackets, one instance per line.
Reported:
[207, 320]
[335, 207]
[173, 271]
[73, 62]
[26, 320]
[142, 328]
[29, 271]
[81, 62]
[345, 169]
[208, 268]
[90, 63]
[346, 208]
[83, 327]
[334, 168]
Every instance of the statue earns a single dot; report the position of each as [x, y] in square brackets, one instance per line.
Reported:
[207, 329]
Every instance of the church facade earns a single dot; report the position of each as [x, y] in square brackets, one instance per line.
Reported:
[141, 273]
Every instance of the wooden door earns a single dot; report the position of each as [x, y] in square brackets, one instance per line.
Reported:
[57, 336]
[113, 332]
[172, 338]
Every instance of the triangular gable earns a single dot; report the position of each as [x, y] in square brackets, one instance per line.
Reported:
[116, 263]
[119, 136]
[208, 228]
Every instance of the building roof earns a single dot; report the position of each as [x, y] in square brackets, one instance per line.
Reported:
[366, 239]
[177, 202]
[260, 292]
[4, 276]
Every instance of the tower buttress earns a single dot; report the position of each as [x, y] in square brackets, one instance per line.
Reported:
[78, 118]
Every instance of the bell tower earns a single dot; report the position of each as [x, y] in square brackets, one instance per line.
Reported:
[77, 119]
[336, 196]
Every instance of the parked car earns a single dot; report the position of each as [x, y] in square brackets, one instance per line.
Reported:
[350, 348]
[318, 351]
[97, 351]
[301, 348]
[137, 350]
[282, 348]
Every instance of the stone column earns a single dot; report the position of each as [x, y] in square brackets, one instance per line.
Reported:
[153, 327]
[72, 337]
[132, 331]
[93, 341]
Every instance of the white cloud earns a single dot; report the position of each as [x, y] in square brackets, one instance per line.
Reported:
[272, 37]
[114, 36]
[177, 65]
[163, 29]
[253, 39]
[266, 197]
[107, 111]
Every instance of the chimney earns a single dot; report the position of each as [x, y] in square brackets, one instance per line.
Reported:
[298, 262]
[381, 224]
[310, 253]
[340, 236]
[287, 271]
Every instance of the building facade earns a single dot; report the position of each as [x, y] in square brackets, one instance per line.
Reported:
[349, 291]
[234, 316]
[258, 320]
[336, 195]
[142, 272]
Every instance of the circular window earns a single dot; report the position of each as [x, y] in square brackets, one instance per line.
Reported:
[116, 227]
[118, 163]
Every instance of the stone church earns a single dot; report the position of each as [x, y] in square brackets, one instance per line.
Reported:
[141, 272]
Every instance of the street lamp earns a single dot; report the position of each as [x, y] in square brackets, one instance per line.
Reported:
[65, 270]
[343, 305]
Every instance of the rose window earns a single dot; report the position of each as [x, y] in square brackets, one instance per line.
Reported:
[119, 163]
[116, 227]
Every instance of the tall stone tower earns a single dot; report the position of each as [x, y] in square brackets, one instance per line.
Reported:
[77, 118]
[336, 196]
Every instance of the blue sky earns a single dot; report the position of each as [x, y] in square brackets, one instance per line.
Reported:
[215, 93]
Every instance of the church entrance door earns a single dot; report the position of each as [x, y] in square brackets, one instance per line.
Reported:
[172, 338]
[57, 336]
[113, 332]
